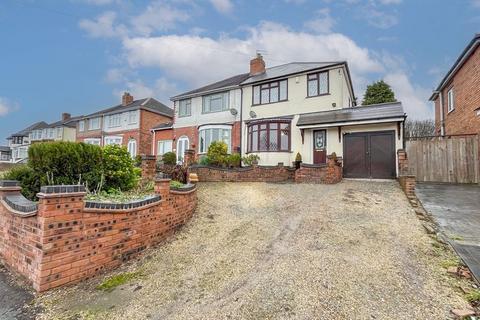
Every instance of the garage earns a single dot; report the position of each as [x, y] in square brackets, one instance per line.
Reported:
[369, 155]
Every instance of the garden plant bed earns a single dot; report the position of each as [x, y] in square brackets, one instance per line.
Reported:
[282, 251]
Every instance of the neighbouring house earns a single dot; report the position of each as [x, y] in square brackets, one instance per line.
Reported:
[162, 138]
[299, 107]
[62, 130]
[208, 114]
[5, 154]
[457, 97]
[20, 142]
[126, 124]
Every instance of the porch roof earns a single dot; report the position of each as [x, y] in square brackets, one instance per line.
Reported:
[382, 111]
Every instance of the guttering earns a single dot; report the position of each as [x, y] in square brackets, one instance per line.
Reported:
[351, 123]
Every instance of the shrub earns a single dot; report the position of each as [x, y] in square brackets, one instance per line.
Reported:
[180, 173]
[250, 159]
[205, 160]
[169, 158]
[233, 160]
[28, 178]
[217, 153]
[119, 168]
[175, 184]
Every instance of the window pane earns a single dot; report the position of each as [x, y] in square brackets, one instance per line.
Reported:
[256, 95]
[274, 94]
[285, 131]
[249, 141]
[283, 90]
[263, 141]
[312, 88]
[202, 141]
[265, 97]
[255, 141]
[215, 134]
[312, 76]
[208, 139]
[273, 145]
[323, 82]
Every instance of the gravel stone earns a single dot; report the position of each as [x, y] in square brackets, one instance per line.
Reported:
[354, 250]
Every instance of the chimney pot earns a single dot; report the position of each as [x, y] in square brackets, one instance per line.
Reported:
[127, 99]
[66, 116]
[257, 65]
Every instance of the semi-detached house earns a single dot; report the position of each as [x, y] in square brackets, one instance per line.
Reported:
[127, 124]
[299, 107]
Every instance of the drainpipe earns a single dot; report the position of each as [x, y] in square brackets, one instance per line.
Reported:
[241, 122]
[153, 142]
[442, 114]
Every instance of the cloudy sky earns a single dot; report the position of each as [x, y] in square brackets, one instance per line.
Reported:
[78, 56]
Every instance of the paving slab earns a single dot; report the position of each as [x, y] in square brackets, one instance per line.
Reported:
[456, 209]
[15, 301]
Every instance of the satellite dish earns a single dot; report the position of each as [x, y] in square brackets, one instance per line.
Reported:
[253, 114]
[233, 111]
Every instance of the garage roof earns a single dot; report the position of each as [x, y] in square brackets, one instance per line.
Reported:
[360, 113]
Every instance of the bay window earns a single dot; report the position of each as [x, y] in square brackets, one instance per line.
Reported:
[317, 84]
[215, 102]
[185, 108]
[270, 92]
[271, 136]
[209, 134]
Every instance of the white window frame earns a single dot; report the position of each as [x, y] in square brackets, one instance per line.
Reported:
[91, 122]
[81, 126]
[94, 141]
[207, 100]
[184, 108]
[115, 120]
[181, 140]
[450, 100]
[208, 130]
[164, 146]
[109, 140]
[132, 147]
[59, 132]
[132, 117]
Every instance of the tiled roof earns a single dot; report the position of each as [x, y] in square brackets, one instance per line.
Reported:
[361, 113]
[163, 126]
[71, 122]
[27, 130]
[5, 149]
[150, 104]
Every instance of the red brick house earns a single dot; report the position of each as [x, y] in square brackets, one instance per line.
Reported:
[126, 124]
[457, 97]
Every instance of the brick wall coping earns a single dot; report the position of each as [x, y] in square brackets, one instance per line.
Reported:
[185, 189]
[19, 203]
[241, 169]
[9, 183]
[62, 189]
[122, 206]
[16, 212]
[306, 165]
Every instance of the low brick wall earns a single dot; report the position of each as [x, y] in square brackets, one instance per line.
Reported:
[149, 167]
[65, 242]
[329, 173]
[408, 183]
[246, 174]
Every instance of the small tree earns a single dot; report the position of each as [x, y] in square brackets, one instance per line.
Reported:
[378, 92]
[217, 153]
[419, 128]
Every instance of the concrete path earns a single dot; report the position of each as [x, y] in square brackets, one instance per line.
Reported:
[15, 301]
[456, 209]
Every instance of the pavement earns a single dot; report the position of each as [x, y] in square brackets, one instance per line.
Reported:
[15, 301]
[456, 209]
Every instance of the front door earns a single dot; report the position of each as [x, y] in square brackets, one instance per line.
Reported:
[319, 146]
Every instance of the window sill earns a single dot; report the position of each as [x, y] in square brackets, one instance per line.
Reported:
[208, 112]
[448, 112]
[318, 95]
[266, 104]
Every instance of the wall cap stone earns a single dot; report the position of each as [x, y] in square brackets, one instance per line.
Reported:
[9, 183]
[62, 189]
[122, 206]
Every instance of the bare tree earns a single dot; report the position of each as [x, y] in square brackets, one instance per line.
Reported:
[419, 128]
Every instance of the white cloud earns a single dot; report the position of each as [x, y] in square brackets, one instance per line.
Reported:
[6, 106]
[103, 26]
[386, 2]
[162, 89]
[380, 19]
[158, 16]
[323, 22]
[98, 2]
[476, 3]
[295, 1]
[223, 6]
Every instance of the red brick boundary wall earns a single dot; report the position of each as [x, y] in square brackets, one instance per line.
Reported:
[254, 173]
[329, 173]
[405, 178]
[149, 167]
[65, 242]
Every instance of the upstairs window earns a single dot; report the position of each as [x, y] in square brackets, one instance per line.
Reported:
[81, 126]
[185, 108]
[270, 136]
[270, 92]
[132, 117]
[94, 124]
[114, 120]
[317, 84]
[215, 102]
[451, 100]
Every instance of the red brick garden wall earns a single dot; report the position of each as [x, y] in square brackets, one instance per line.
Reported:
[330, 173]
[67, 242]
[247, 174]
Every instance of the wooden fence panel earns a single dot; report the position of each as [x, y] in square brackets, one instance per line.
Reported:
[452, 159]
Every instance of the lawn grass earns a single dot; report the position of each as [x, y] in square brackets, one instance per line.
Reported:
[117, 280]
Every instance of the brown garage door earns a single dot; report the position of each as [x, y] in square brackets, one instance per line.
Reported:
[369, 155]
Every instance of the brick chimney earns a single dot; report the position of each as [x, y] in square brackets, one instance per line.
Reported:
[66, 116]
[257, 65]
[127, 99]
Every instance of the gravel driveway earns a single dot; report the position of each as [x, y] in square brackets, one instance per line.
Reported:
[354, 250]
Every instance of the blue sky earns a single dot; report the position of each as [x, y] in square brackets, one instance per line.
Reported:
[78, 56]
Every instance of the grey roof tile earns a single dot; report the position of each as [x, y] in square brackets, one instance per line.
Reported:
[232, 81]
[27, 130]
[150, 104]
[360, 113]
[163, 126]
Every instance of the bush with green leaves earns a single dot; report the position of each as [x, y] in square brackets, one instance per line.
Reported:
[233, 160]
[217, 153]
[119, 168]
[204, 161]
[28, 178]
[169, 158]
[250, 159]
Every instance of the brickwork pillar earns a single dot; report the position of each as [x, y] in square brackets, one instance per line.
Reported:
[149, 167]
[189, 157]
[162, 187]
[9, 187]
[402, 162]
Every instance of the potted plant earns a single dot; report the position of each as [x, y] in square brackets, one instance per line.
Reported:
[298, 160]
